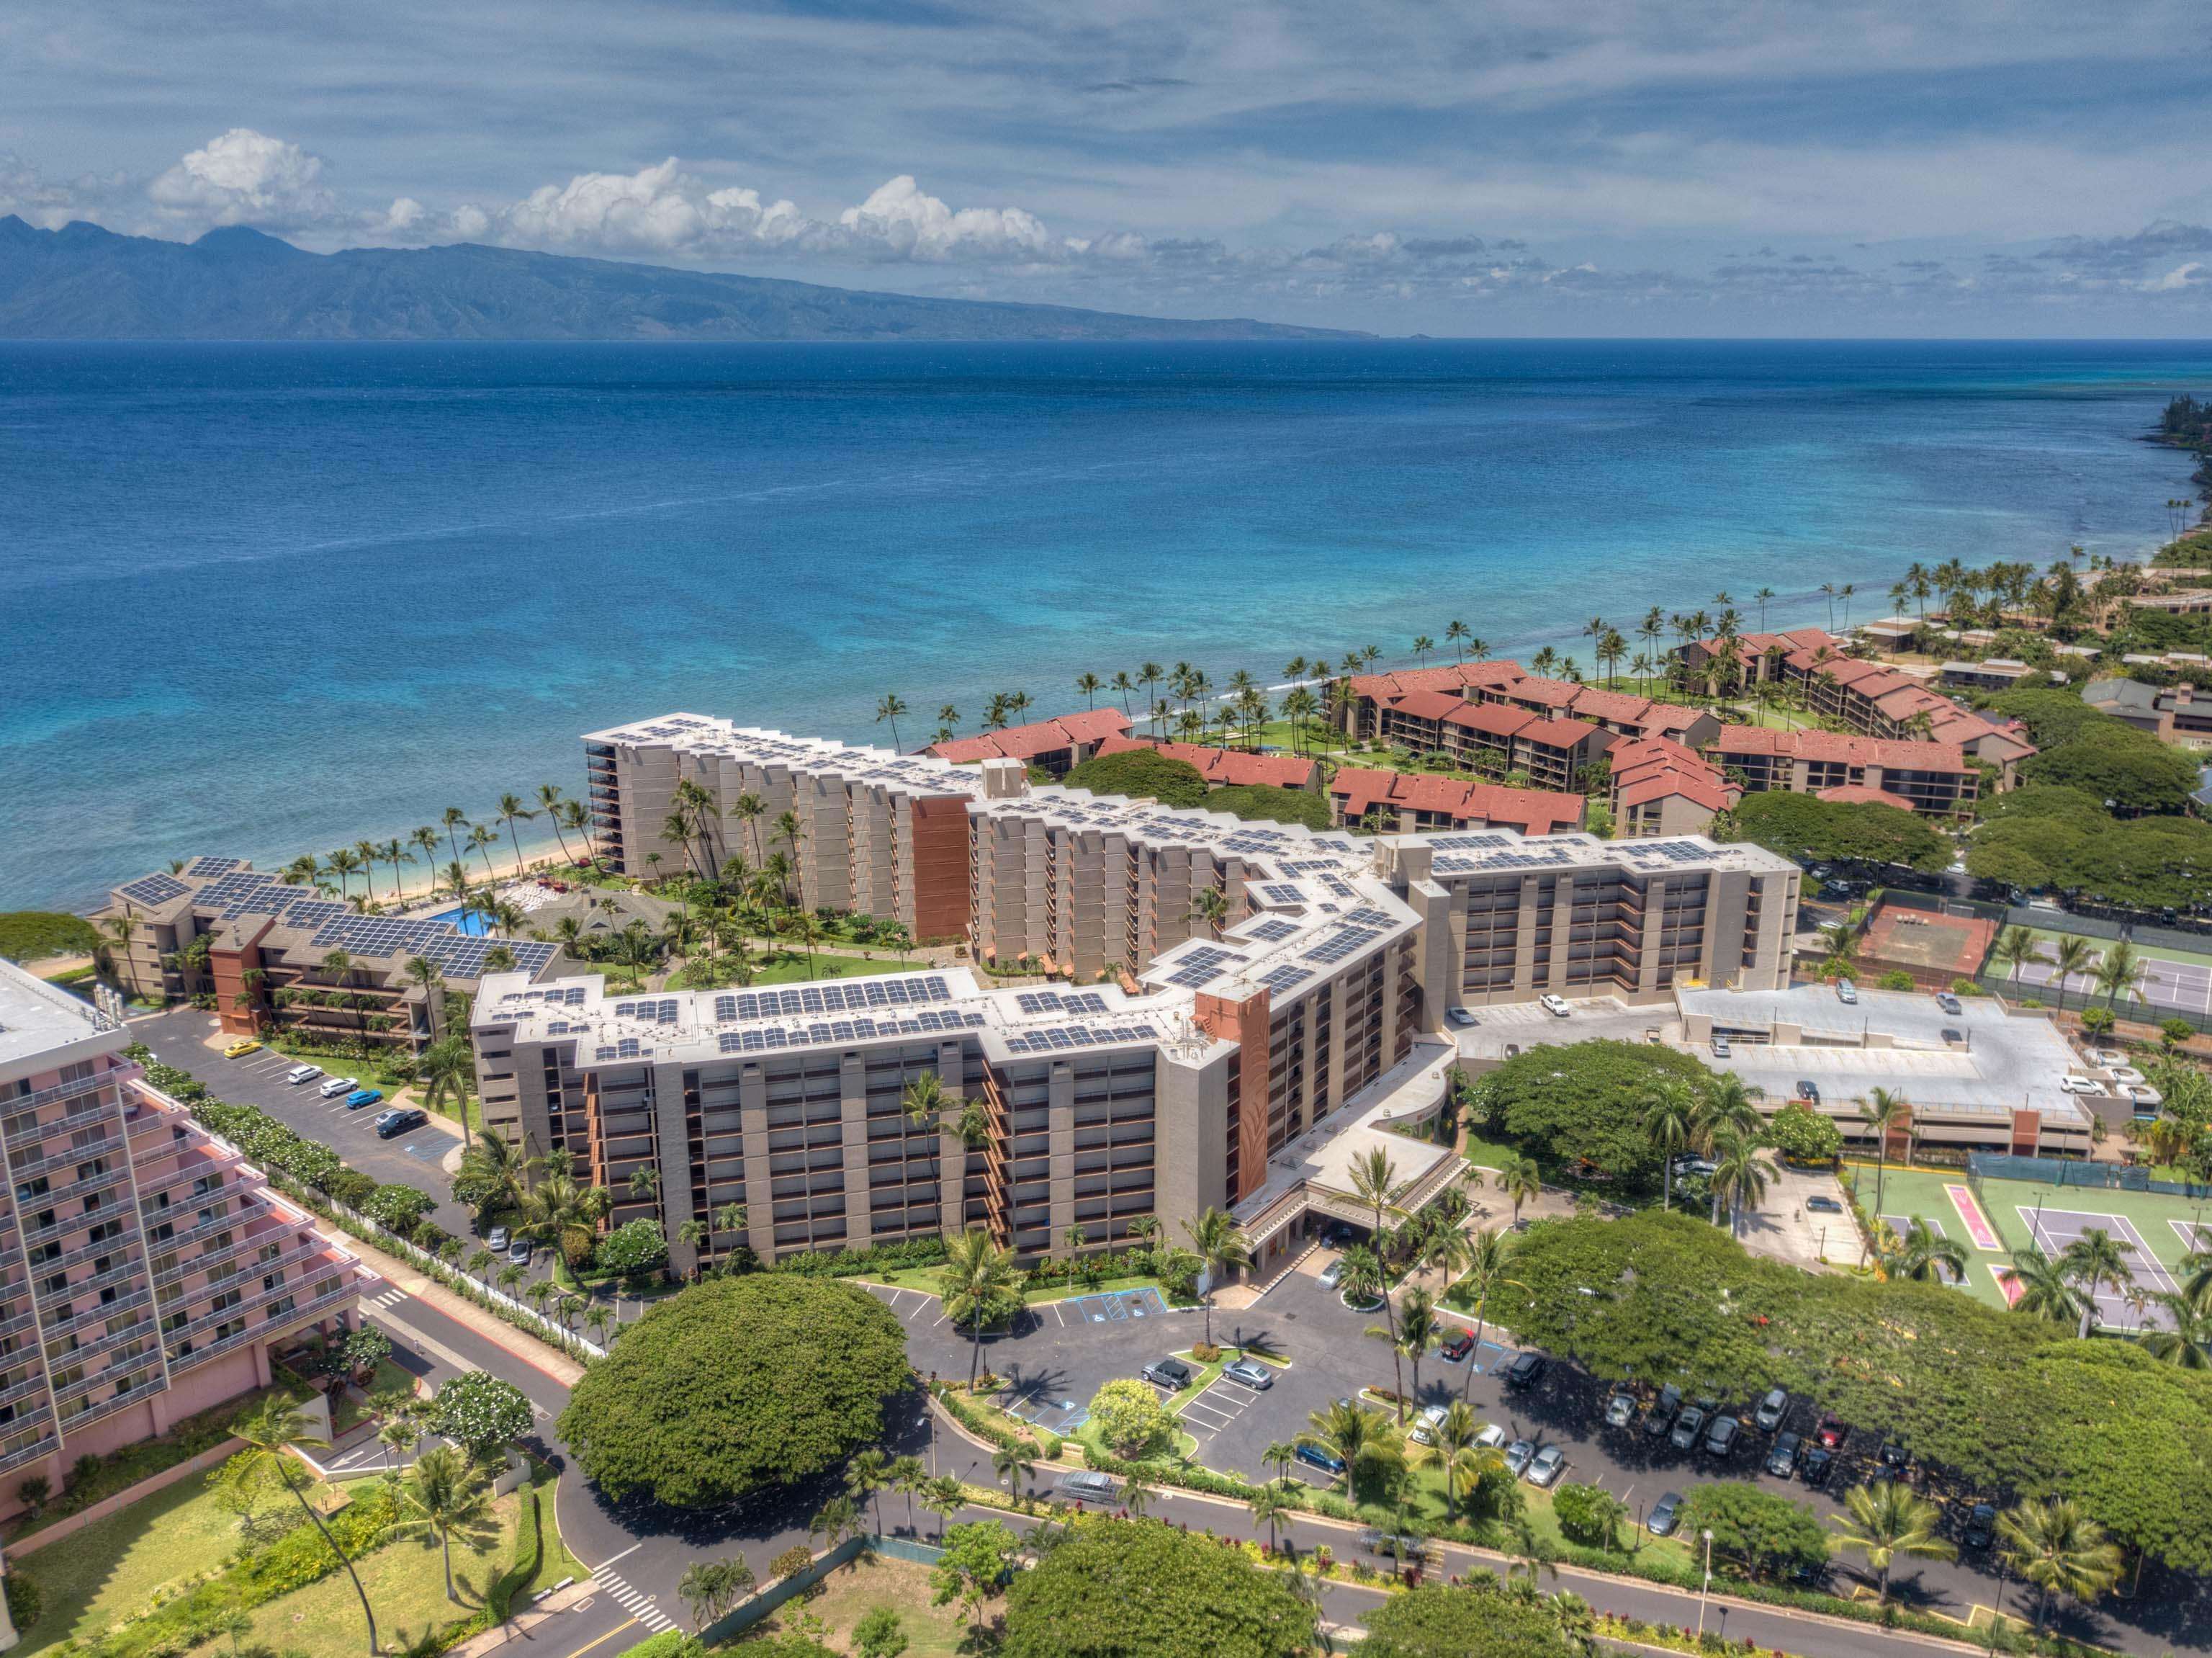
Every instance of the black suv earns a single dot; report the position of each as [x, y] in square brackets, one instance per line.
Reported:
[1526, 1370]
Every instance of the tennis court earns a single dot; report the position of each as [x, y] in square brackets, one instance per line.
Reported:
[1900, 1225]
[2166, 982]
[2055, 1229]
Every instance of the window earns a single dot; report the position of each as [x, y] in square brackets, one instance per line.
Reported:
[31, 1191]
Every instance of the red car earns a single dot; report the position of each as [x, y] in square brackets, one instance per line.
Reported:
[1833, 1432]
[1459, 1346]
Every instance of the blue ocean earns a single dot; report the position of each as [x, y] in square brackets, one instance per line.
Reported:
[262, 599]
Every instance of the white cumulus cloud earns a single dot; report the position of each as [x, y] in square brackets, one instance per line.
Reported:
[905, 221]
[246, 177]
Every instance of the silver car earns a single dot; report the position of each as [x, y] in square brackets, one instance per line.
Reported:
[1547, 1466]
[1518, 1455]
[1251, 1373]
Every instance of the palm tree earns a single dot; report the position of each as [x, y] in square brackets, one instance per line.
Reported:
[1418, 1330]
[2072, 958]
[907, 1475]
[1014, 1462]
[979, 1281]
[276, 1422]
[448, 1498]
[1882, 1110]
[562, 1212]
[454, 821]
[1886, 1519]
[890, 707]
[1361, 1437]
[834, 1521]
[1280, 1455]
[1272, 1507]
[511, 807]
[1215, 1241]
[710, 1587]
[494, 1163]
[1521, 1180]
[2060, 1550]
[943, 1496]
[1740, 1176]
[1452, 1447]
[1488, 1255]
[2119, 971]
[2016, 948]
[866, 1476]
[423, 972]
[1670, 1115]
[1922, 1256]
[2188, 1344]
[395, 853]
[481, 838]
[2096, 1260]
[447, 1071]
[1211, 905]
[2041, 1288]
[598, 1317]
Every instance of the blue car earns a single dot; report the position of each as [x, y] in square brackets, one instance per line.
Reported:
[360, 1097]
[1314, 1456]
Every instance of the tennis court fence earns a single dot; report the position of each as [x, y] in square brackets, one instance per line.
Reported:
[2064, 1171]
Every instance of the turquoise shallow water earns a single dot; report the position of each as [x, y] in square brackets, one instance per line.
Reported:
[255, 600]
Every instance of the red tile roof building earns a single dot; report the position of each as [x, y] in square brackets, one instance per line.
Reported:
[1223, 768]
[1408, 800]
[1882, 702]
[1367, 694]
[1055, 744]
[1934, 778]
[1659, 788]
[1754, 656]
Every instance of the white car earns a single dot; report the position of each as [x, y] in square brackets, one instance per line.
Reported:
[299, 1074]
[1461, 1017]
[338, 1085]
[1491, 1437]
[1546, 1466]
[1332, 1274]
[1847, 993]
[2080, 1085]
[1557, 1006]
[1425, 1425]
[1720, 1047]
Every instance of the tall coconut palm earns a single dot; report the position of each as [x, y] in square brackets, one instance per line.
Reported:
[1215, 1241]
[276, 1422]
[2070, 959]
[1418, 1330]
[980, 1284]
[445, 1498]
[1453, 1449]
[395, 853]
[2188, 1344]
[2121, 970]
[1488, 1256]
[2060, 1550]
[2016, 947]
[1362, 1439]
[562, 1212]
[447, 1071]
[1740, 1176]
[1923, 1256]
[1882, 1110]
[1520, 1180]
[890, 707]
[2096, 1260]
[512, 809]
[2039, 1289]
[481, 838]
[1885, 1519]
[426, 974]
[1211, 905]
[1670, 1116]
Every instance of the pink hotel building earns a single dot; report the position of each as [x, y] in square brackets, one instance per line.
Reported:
[147, 1272]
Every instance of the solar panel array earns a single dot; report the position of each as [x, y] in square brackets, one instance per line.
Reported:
[1342, 941]
[1064, 1037]
[1469, 843]
[906, 991]
[210, 866]
[1054, 1001]
[1201, 964]
[457, 954]
[663, 1012]
[152, 889]
[1286, 977]
[775, 1037]
[1281, 892]
[1273, 931]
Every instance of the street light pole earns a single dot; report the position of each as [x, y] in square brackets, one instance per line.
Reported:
[1707, 1589]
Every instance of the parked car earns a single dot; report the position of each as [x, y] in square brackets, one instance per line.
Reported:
[360, 1097]
[299, 1074]
[1892, 1459]
[1338, 1234]
[1317, 1456]
[1087, 1485]
[1847, 993]
[1394, 1546]
[1808, 1091]
[1549, 1464]
[1662, 1412]
[1492, 1437]
[1782, 1458]
[1661, 1521]
[1526, 1370]
[497, 1239]
[1171, 1373]
[1251, 1373]
[1721, 1437]
[2078, 1085]
[1460, 1016]
[1981, 1527]
[1953, 1036]
[1831, 1432]
[1949, 1002]
[1456, 1351]
[1721, 1050]
[1557, 1006]
[338, 1085]
[239, 1050]
[1772, 1409]
[1817, 1466]
[1823, 1205]
[1620, 1411]
[1518, 1455]
[1332, 1274]
[401, 1120]
[1424, 1431]
[519, 1251]
[1687, 1426]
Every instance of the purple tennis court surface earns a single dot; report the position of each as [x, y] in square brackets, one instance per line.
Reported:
[2184, 984]
[2054, 1228]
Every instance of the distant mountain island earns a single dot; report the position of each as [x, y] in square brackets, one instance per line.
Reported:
[83, 283]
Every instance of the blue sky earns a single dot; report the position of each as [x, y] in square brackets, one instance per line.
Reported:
[1604, 168]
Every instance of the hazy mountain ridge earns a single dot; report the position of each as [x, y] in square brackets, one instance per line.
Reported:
[83, 283]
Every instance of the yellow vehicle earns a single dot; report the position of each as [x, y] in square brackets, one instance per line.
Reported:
[240, 1048]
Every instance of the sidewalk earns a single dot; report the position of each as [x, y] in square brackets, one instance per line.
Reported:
[549, 1360]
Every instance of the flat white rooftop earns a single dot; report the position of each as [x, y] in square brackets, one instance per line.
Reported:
[36, 1017]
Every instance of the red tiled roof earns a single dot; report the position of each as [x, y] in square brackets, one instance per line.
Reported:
[1592, 704]
[1024, 743]
[1855, 793]
[1556, 733]
[1654, 768]
[1428, 704]
[1495, 719]
[1451, 676]
[1542, 693]
[1224, 767]
[1669, 717]
[1475, 805]
[1893, 754]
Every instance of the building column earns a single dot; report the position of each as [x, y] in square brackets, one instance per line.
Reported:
[951, 1152]
[760, 1184]
[853, 1116]
[1060, 1163]
[671, 1158]
[260, 1363]
[1655, 928]
[1524, 942]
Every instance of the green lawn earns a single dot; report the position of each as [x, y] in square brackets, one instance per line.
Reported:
[790, 969]
[850, 1593]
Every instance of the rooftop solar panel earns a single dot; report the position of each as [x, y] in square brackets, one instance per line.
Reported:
[152, 889]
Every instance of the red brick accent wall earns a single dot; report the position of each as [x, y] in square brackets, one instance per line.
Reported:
[1244, 1023]
[940, 870]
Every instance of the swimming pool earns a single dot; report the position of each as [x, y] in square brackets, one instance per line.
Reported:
[474, 922]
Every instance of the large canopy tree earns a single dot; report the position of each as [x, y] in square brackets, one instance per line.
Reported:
[1140, 1588]
[1480, 1621]
[735, 1385]
[1589, 1102]
[1813, 830]
[2016, 1407]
